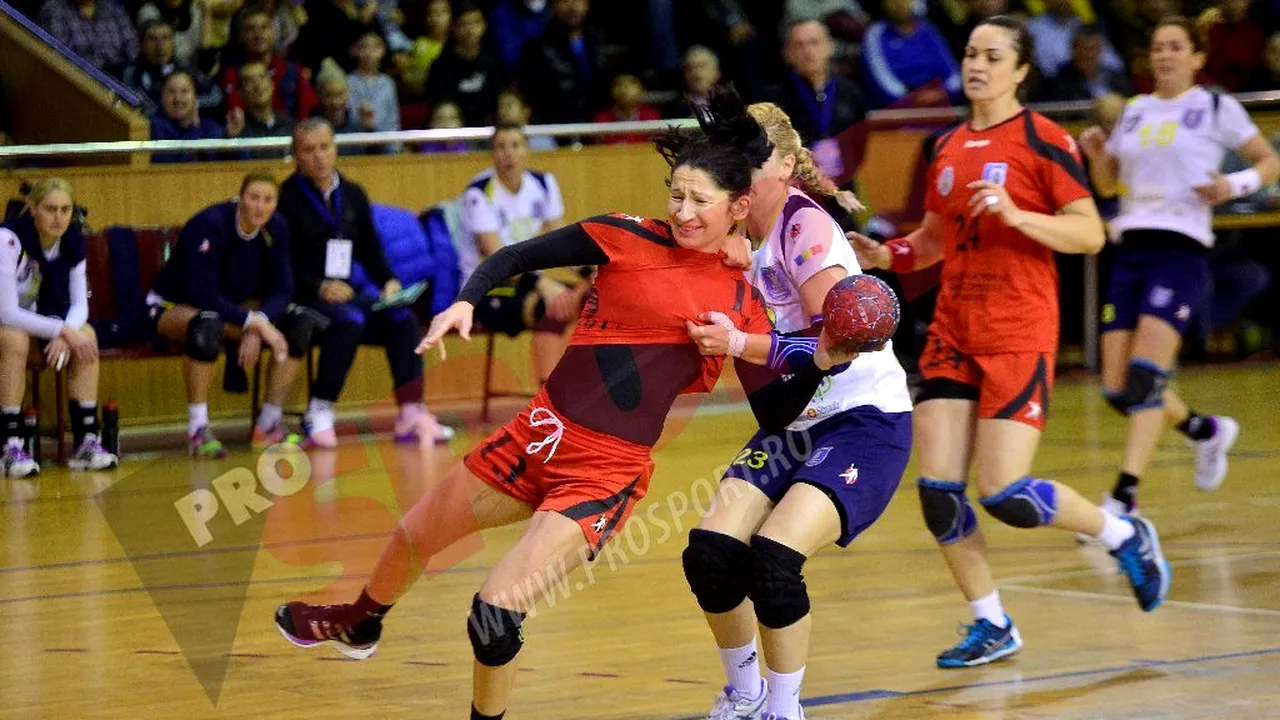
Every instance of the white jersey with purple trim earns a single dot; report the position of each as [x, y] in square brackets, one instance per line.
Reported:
[1166, 147]
[803, 241]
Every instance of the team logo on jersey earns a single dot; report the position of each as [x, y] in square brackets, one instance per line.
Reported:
[1130, 122]
[946, 180]
[1193, 117]
[794, 232]
[775, 286]
[1160, 296]
[634, 218]
[995, 173]
[818, 457]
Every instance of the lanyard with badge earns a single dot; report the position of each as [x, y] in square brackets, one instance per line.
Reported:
[338, 250]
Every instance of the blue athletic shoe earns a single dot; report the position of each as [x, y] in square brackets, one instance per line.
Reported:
[1142, 561]
[983, 643]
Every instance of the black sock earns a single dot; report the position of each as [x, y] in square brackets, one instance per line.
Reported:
[370, 606]
[84, 419]
[476, 715]
[1126, 489]
[10, 426]
[1198, 427]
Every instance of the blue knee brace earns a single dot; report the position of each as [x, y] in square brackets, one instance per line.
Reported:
[947, 511]
[1030, 502]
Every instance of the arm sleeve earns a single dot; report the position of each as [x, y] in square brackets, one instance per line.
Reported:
[200, 258]
[565, 247]
[1237, 127]
[369, 249]
[78, 313]
[276, 304]
[12, 313]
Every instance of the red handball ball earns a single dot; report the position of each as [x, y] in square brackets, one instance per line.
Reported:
[861, 312]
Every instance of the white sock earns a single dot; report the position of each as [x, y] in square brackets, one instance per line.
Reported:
[320, 415]
[784, 693]
[742, 669]
[1114, 531]
[270, 416]
[989, 608]
[197, 417]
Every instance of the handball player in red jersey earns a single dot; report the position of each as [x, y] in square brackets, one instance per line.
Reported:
[1006, 191]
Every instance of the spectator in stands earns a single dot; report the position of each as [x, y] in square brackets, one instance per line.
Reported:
[467, 74]
[157, 61]
[1053, 35]
[373, 94]
[259, 118]
[701, 73]
[1268, 77]
[445, 116]
[515, 23]
[1236, 45]
[956, 19]
[513, 110]
[180, 119]
[44, 311]
[229, 281]
[821, 105]
[100, 31]
[288, 19]
[1136, 20]
[336, 107]
[505, 205]
[293, 94]
[214, 54]
[628, 93]
[333, 26]
[562, 70]
[1086, 77]
[846, 21]
[185, 20]
[331, 227]
[413, 65]
[905, 53]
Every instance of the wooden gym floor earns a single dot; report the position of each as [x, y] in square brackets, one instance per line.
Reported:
[111, 609]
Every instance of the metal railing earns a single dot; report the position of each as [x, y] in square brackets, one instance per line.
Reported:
[121, 91]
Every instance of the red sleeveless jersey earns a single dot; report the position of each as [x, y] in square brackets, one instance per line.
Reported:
[999, 287]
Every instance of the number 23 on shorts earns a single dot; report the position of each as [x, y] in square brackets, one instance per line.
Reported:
[754, 459]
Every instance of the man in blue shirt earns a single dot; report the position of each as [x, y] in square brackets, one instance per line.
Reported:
[905, 53]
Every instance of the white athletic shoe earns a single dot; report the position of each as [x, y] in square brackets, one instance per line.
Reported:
[1211, 454]
[17, 462]
[92, 456]
[730, 705]
[1110, 505]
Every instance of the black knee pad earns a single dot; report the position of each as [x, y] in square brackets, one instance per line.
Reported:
[1143, 388]
[299, 327]
[204, 336]
[947, 511]
[718, 569]
[1116, 401]
[496, 633]
[777, 583]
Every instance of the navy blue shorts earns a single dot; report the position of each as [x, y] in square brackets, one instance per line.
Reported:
[1164, 282]
[856, 458]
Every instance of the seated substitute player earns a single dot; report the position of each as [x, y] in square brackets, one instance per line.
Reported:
[1006, 191]
[825, 479]
[229, 282]
[577, 460]
[504, 205]
[44, 308]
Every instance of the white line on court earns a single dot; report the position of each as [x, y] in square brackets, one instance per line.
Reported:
[1211, 607]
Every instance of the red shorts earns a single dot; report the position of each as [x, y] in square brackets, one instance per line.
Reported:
[1008, 386]
[553, 464]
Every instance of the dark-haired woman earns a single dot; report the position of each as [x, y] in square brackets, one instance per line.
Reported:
[1006, 191]
[578, 458]
[1165, 151]
[44, 309]
[229, 281]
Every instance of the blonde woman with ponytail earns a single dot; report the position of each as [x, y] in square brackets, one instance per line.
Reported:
[825, 478]
[44, 310]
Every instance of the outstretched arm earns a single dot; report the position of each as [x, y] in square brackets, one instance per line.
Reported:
[566, 247]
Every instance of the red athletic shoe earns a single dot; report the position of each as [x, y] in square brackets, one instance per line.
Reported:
[356, 634]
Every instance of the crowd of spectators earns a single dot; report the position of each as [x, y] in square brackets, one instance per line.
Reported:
[371, 65]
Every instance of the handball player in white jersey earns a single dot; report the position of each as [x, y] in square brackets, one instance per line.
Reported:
[1162, 159]
[825, 478]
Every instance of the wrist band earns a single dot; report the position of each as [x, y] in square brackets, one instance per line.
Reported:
[902, 255]
[1244, 182]
[737, 342]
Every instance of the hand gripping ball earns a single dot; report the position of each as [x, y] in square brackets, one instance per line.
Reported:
[861, 313]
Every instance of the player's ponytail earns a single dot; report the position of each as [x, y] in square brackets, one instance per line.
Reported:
[777, 126]
[727, 145]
